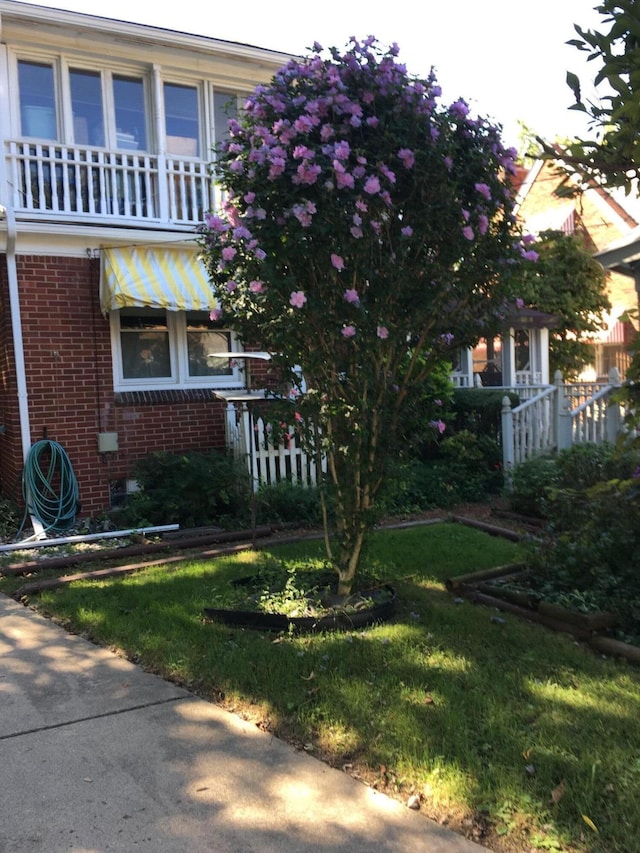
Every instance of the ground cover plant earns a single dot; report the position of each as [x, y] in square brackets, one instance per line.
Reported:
[587, 554]
[511, 734]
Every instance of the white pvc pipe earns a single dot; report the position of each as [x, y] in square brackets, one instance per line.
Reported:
[88, 537]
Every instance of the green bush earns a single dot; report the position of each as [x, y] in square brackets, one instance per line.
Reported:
[480, 410]
[192, 489]
[288, 502]
[9, 520]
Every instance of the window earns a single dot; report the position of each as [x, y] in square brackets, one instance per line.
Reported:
[86, 106]
[37, 100]
[153, 348]
[225, 107]
[130, 114]
[182, 120]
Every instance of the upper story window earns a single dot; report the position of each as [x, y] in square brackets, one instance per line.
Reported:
[182, 120]
[87, 107]
[115, 108]
[154, 348]
[130, 113]
[38, 117]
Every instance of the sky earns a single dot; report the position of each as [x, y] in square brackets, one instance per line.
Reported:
[507, 58]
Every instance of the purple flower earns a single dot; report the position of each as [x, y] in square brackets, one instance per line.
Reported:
[229, 253]
[382, 332]
[484, 191]
[297, 299]
[439, 425]
[337, 262]
[468, 232]
[519, 303]
[372, 185]
[256, 286]
[483, 224]
[408, 157]
[352, 296]
[215, 315]
[407, 231]
[459, 109]
[348, 331]
[530, 255]
[231, 286]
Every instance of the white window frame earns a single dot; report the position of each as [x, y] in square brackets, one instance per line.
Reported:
[179, 379]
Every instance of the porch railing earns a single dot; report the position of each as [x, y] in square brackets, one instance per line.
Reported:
[559, 416]
[71, 180]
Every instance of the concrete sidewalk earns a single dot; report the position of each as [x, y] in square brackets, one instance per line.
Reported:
[97, 755]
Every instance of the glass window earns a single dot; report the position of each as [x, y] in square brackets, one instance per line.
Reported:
[86, 104]
[203, 340]
[182, 122]
[225, 106]
[37, 100]
[144, 343]
[130, 114]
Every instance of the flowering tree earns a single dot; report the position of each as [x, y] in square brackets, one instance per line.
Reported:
[367, 234]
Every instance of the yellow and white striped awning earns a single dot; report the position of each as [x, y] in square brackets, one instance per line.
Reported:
[173, 279]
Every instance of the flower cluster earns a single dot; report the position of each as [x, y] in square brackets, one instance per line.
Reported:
[339, 155]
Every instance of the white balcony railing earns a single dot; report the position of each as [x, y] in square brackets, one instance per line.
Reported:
[66, 181]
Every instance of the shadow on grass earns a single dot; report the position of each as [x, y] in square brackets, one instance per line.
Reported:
[475, 710]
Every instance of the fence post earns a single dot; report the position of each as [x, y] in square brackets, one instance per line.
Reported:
[613, 423]
[508, 451]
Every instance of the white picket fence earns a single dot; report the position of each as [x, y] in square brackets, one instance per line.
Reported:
[559, 416]
[249, 438]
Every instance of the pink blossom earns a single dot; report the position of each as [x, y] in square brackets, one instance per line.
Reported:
[348, 331]
[484, 191]
[519, 303]
[229, 253]
[297, 298]
[407, 231]
[448, 162]
[250, 197]
[231, 286]
[468, 232]
[215, 315]
[382, 332]
[407, 156]
[530, 255]
[216, 224]
[342, 150]
[372, 185]
[337, 262]
[356, 232]
[439, 425]
[256, 286]
[352, 296]
[483, 224]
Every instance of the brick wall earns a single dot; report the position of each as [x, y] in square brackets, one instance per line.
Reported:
[70, 384]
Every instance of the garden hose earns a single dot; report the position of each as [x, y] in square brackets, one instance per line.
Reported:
[51, 496]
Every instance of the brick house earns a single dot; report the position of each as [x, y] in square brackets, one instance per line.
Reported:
[105, 336]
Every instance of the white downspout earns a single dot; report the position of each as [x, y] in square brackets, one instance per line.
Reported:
[16, 327]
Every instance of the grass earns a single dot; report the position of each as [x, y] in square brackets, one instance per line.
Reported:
[509, 733]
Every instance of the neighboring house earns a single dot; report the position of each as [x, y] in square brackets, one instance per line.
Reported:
[106, 341]
[603, 217]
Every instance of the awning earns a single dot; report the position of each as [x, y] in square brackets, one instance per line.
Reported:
[154, 278]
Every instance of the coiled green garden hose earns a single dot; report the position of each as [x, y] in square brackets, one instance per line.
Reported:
[52, 495]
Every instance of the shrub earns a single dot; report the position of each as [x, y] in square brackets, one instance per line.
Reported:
[9, 520]
[480, 410]
[192, 489]
[288, 502]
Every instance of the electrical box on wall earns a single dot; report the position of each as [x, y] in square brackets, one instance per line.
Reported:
[107, 442]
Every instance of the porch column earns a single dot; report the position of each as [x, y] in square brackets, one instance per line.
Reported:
[509, 358]
[542, 355]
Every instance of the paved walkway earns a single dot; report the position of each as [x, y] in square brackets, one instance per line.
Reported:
[97, 755]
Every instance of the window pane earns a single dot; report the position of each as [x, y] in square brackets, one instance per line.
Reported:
[131, 123]
[181, 120]
[144, 342]
[37, 100]
[225, 106]
[86, 103]
[202, 341]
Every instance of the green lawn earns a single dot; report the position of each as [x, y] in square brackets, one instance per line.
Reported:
[480, 713]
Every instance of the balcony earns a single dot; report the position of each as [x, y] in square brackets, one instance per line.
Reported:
[54, 182]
